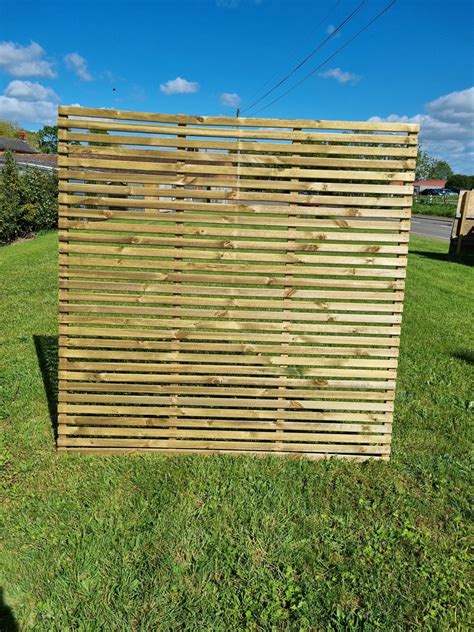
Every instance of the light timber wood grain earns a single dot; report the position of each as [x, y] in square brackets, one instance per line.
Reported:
[402, 169]
[209, 168]
[240, 132]
[230, 285]
[293, 148]
[70, 111]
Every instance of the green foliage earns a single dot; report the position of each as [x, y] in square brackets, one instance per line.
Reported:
[460, 182]
[28, 201]
[439, 207]
[428, 168]
[48, 139]
[40, 195]
[8, 129]
[32, 138]
[104, 132]
[235, 543]
[10, 200]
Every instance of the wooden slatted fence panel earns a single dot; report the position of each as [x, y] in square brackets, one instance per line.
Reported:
[231, 285]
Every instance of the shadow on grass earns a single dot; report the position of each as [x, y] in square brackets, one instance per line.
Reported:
[466, 260]
[465, 356]
[47, 354]
[7, 620]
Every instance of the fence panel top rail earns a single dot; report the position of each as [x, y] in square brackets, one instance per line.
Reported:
[231, 284]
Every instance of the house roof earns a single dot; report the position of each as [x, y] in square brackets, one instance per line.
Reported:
[430, 183]
[16, 145]
[43, 161]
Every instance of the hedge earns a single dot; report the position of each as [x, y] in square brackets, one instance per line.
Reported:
[28, 200]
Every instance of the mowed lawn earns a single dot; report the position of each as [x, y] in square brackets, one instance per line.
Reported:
[151, 542]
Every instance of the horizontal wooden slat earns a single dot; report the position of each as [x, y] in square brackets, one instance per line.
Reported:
[250, 272]
[297, 210]
[232, 336]
[216, 276]
[233, 245]
[183, 400]
[228, 391]
[223, 369]
[243, 358]
[402, 169]
[101, 113]
[285, 304]
[233, 315]
[239, 133]
[231, 176]
[239, 294]
[314, 187]
[234, 435]
[230, 326]
[228, 347]
[228, 445]
[167, 221]
[226, 413]
[68, 374]
[244, 424]
[349, 290]
[268, 239]
[293, 148]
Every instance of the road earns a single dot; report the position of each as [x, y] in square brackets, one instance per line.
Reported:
[437, 228]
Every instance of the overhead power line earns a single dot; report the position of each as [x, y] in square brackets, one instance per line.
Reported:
[308, 57]
[298, 83]
[294, 52]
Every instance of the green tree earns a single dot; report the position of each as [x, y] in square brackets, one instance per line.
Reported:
[8, 129]
[39, 210]
[460, 182]
[429, 168]
[99, 131]
[10, 199]
[48, 139]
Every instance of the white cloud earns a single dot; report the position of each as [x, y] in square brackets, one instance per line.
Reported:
[456, 107]
[29, 91]
[179, 86]
[28, 102]
[77, 64]
[27, 111]
[340, 76]
[24, 61]
[447, 128]
[232, 99]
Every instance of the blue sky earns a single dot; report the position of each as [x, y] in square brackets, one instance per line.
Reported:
[205, 56]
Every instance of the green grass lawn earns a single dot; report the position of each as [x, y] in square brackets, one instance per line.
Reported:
[233, 543]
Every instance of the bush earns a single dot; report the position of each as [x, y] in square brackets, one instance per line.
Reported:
[10, 199]
[460, 182]
[40, 191]
[28, 200]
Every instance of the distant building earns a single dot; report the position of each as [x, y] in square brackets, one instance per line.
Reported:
[26, 155]
[17, 146]
[421, 185]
